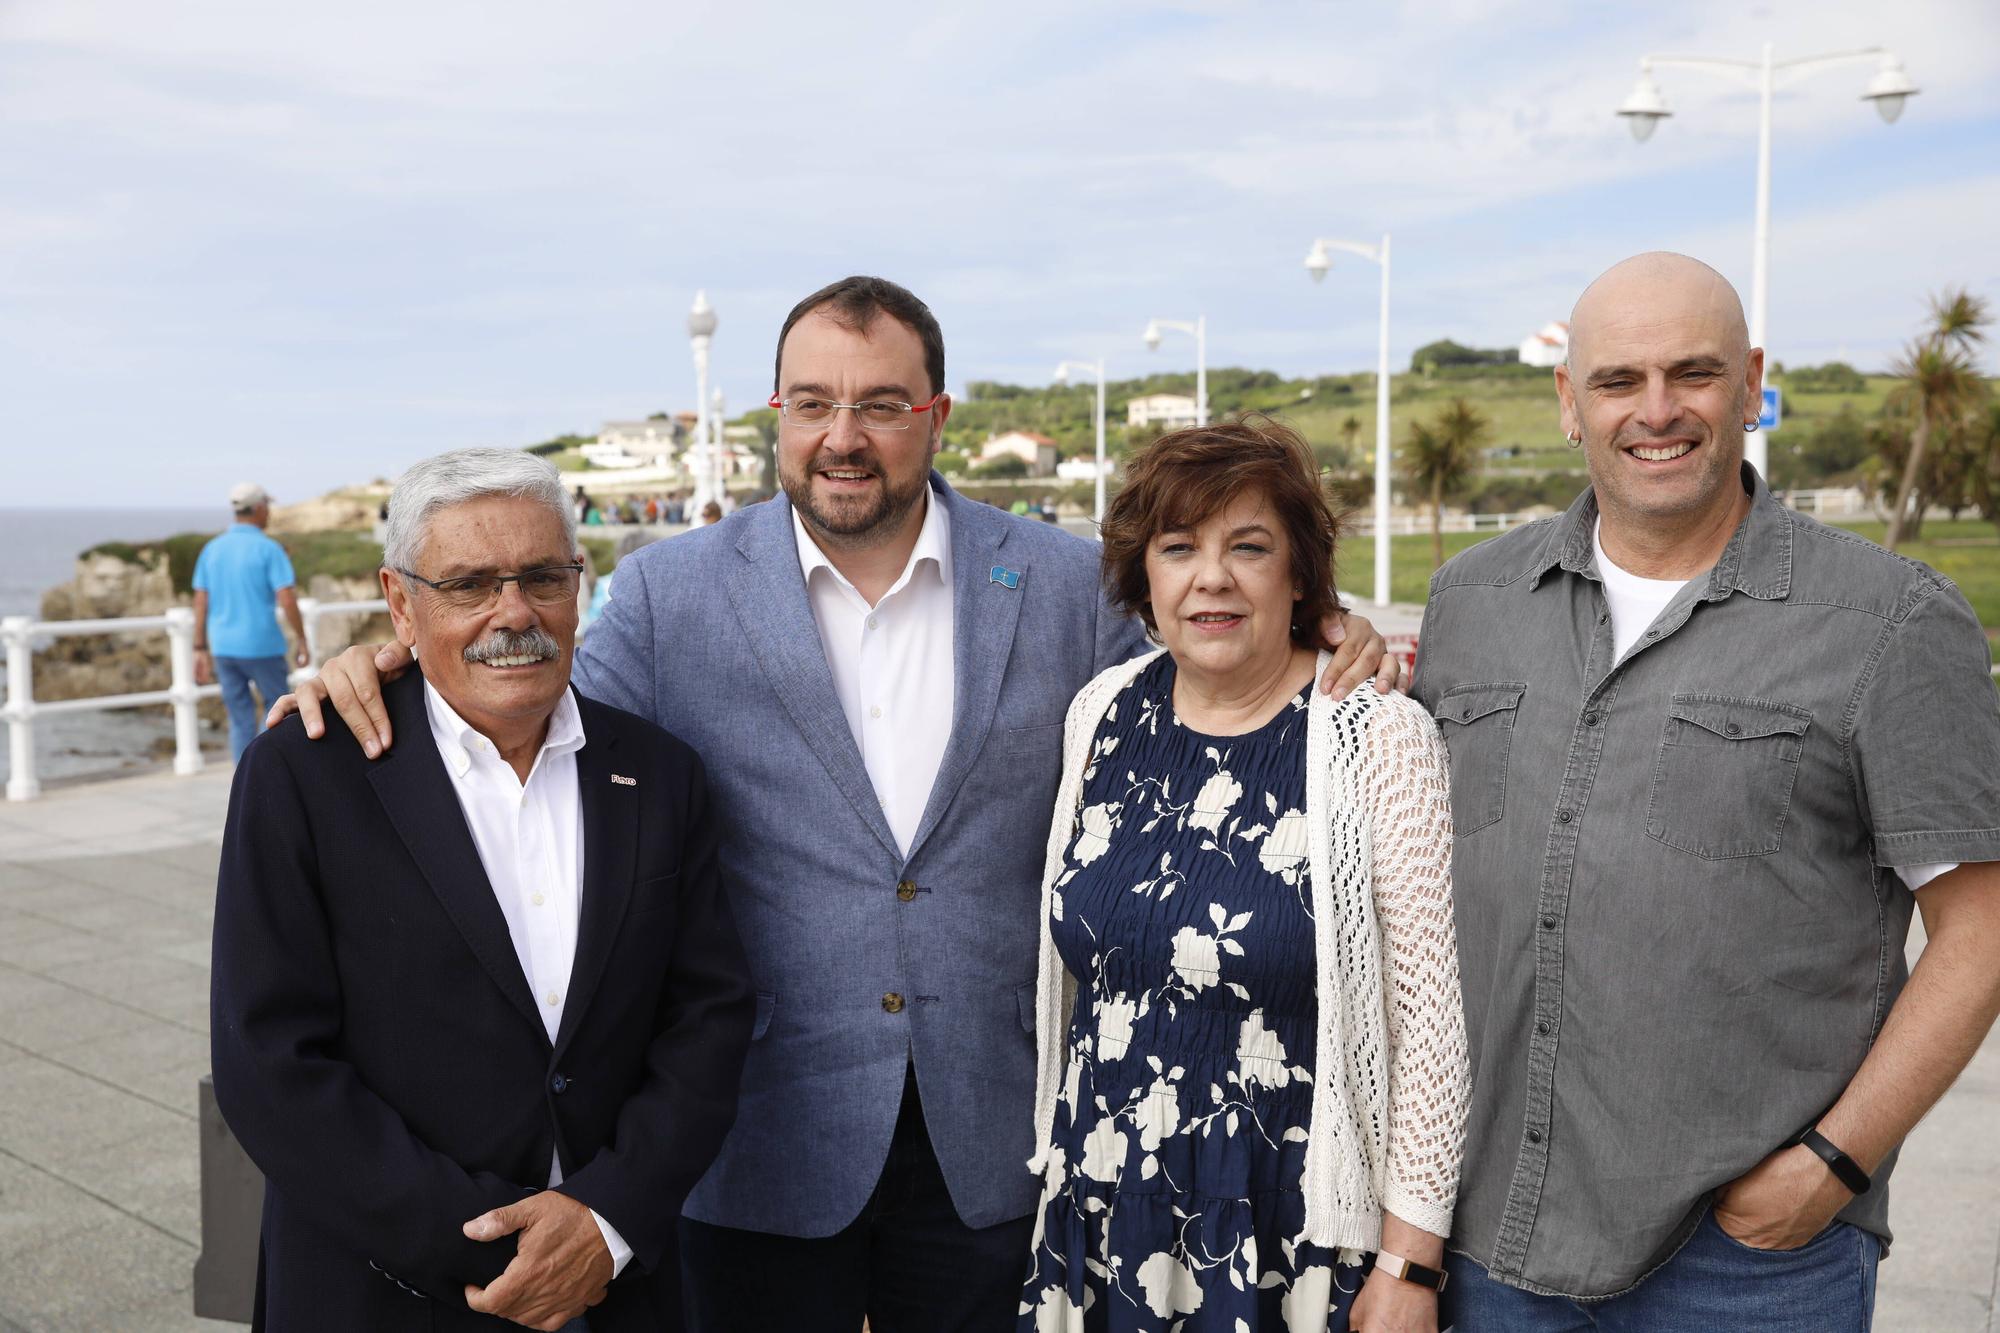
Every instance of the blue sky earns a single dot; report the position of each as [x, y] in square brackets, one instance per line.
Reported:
[311, 244]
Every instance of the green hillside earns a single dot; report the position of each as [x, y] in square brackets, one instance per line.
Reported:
[1336, 414]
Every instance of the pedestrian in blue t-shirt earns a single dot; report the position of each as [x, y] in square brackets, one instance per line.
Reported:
[238, 580]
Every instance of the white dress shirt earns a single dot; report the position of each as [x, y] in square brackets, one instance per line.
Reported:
[892, 665]
[1635, 603]
[530, 840]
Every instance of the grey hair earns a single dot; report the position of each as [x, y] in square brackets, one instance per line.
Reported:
[452, 479]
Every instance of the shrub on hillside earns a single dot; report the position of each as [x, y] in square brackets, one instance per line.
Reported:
[1833, 377]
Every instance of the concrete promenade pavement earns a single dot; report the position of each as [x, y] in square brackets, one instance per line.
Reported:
[106, 894]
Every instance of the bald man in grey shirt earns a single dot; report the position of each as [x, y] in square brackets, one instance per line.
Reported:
[1708, 756]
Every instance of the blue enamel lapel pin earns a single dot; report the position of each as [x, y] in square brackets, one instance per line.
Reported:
[1005, 577]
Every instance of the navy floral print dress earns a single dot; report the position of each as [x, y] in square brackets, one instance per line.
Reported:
[1173, 1201]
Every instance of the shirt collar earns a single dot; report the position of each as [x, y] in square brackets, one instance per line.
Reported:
[1757, 561]
[457, 742]
[933, 544]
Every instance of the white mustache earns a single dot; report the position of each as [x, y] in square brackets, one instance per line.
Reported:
[536, 643]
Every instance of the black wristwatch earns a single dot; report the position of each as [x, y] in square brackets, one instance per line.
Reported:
[1395, 1265]
[1844, 1167]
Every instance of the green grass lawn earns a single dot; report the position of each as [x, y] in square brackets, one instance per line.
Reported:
[1967, 552]
[1521, 410]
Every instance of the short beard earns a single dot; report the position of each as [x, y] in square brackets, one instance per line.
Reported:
[858, 524]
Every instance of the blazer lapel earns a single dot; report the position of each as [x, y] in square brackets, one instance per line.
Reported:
[984, 612]
[610, 853]
[769, 594]
[411, 782]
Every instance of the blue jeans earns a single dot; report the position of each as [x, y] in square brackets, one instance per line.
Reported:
[246, 717]
[1826, 1285]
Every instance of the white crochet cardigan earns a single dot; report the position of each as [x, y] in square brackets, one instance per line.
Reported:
[1392, 1084]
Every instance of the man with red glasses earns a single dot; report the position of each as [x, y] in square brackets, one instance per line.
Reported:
[875, 671]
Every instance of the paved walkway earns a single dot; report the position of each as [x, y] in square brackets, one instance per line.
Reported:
[105, 901]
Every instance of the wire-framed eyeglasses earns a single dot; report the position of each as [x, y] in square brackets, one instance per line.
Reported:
[870, 413]
[547, 585]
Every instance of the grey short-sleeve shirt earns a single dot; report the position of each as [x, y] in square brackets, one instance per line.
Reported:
[1678, 929]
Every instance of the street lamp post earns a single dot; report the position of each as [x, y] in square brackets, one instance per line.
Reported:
[1317, 263]
[1096, 367]
[701, 331]
[716, 416]
[1200, 331]
[1646, 107]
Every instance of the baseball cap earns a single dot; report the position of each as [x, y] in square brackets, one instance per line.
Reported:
[247, 495]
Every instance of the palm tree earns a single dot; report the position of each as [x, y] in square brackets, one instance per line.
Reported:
[1441, 457]
[1983, 485]
[1940, 393]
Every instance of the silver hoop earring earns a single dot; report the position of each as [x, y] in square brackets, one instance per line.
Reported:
[1575, 439]
[1750, 427]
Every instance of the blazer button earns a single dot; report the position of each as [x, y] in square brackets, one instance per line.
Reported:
[559, 1084]
[893, 1002]
[906, 890]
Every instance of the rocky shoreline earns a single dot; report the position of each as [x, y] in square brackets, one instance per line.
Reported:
[117, 581]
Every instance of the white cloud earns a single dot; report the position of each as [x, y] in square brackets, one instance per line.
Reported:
[346, 235]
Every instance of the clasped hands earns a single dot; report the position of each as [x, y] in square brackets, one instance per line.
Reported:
[560, 1268]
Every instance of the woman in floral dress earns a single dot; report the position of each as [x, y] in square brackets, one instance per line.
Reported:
[1252, 1084]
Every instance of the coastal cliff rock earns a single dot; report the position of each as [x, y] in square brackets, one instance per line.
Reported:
[107, 586]
[337, 630]
[354, 510]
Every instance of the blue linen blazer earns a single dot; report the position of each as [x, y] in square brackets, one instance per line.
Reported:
[711, 636]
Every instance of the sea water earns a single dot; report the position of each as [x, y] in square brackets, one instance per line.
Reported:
[38, 549]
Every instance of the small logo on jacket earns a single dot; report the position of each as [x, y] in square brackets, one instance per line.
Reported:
[624, 781]
[1005, 577]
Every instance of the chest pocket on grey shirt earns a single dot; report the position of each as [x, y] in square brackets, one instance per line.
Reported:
[1478, 726]
[1723, 783]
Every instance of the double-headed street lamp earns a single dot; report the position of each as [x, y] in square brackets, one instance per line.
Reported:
[1317, 263]
[1646, 107]
[1063, 372]
[701, 331]
[1199, 329]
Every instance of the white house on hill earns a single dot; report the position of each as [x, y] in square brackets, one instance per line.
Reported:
[1037, 451]
[1084, 468]
[1547, 346]
[1172, 411]
[634, 443]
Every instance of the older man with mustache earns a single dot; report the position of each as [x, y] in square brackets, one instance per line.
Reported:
[480, 1009]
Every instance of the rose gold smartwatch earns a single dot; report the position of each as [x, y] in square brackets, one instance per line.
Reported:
[1396, 1266]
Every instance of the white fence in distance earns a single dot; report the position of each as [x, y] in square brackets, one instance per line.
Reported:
[19, 634]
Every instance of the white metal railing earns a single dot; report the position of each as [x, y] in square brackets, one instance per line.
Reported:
[19, 634]
[1413, 525]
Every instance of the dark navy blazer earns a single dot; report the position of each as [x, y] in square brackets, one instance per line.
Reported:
[379, 1054]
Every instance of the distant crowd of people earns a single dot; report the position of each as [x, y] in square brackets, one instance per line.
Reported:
[678, 507]
[672, 508]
